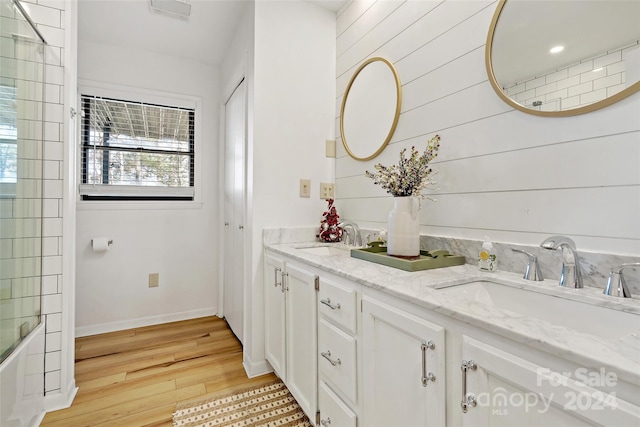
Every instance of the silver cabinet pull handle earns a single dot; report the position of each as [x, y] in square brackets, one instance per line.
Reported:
[327, 355]
[426, 376]
[467, 400]
[283, 275]
[275, 279]
[241, 227]
[326, 422]
[226, 223]
[327, 302]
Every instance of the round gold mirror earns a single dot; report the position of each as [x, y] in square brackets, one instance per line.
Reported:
[564, 58]
[370, 109]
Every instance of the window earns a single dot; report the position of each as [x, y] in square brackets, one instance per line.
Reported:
[136, 151]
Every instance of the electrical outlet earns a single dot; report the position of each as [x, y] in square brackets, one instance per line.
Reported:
[154, 280]
[326, 190]
[305, 188]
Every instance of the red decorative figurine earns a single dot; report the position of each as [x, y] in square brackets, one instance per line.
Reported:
[330, 231]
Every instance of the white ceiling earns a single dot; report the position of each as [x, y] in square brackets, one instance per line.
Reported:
[205, 36]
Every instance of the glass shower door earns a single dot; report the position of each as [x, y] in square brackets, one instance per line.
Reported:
[21, 184]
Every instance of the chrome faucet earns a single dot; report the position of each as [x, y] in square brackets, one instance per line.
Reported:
[533, 269]
[357, 237]
[616, 285]
[571, 275]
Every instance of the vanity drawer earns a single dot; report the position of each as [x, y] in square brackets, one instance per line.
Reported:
[337, 358]
[333, 411]
[338, 303]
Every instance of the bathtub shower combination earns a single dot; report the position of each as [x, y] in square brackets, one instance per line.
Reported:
[22, 90]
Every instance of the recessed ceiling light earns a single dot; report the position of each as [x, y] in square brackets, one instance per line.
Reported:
[556, 49]
[179, 8]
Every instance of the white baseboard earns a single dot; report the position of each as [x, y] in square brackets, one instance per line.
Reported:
[54, 402]
[83, 331]
[255, 369]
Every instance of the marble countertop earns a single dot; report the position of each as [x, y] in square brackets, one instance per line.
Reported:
[620, 355]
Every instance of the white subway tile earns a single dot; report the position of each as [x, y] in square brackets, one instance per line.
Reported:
[51, 265]
[542, 90]
[580, 89]
[525, 95]
[52, 226]
[581, 68]
[51, 381]
[56, 4]
[52, 94]
[52, 55]
[43, 15]
[52, 131]
[597, 73]
[514, 90]
[612, 90]
[52, 169]
[606, 82]
[52, 361]
[593, 96]
[558, 75]
[54, 75]
[52, 304]
[555, 95]
[53, 36]
[49, 285]
[50, 208]
[570, 81]
[532, 84]
[54, 150]
[54, 112]
[50, 246]
[605, 60]
[615, 68]
[53, 189]
[54, 322]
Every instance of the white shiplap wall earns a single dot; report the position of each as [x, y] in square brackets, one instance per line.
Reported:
[515, 177]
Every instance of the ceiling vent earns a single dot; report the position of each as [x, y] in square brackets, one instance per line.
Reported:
[178, 8]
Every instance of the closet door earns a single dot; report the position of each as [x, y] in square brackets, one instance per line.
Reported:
[234, 212]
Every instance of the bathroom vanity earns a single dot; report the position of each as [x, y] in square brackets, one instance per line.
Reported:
[368, 345]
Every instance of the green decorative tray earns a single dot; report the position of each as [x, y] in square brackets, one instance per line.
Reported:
[426, 261]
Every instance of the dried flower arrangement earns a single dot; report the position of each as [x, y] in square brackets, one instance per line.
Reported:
[411, 175]
[330, 231]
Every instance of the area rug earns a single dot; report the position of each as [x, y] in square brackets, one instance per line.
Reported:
[269, 405]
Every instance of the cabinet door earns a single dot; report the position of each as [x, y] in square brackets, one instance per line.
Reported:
[511, 391]
[302, 331]
[397, 355]
[274, 315]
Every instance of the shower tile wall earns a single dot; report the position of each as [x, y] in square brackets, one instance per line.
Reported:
[49, 18]
[581, 84]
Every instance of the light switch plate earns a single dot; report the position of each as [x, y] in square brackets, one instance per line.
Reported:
[305, 188]
[330, 148]
[326, 190]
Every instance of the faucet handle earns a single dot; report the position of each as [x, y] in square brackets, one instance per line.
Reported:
[616, 285]
[532, 271]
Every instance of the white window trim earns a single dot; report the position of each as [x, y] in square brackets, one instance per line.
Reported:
[108, 90]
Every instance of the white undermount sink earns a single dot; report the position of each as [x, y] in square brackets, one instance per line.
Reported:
[324, 250]
[575, 313]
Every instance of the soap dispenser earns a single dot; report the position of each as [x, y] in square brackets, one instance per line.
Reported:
[487, 257]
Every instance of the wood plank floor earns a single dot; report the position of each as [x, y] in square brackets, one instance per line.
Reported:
[138, 376]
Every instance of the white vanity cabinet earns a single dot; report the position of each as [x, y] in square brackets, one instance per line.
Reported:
[338, 310]
[507, 389]
[291, 329]
[404, 368]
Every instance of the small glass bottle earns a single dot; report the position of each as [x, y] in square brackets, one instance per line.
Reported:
[487, 257]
